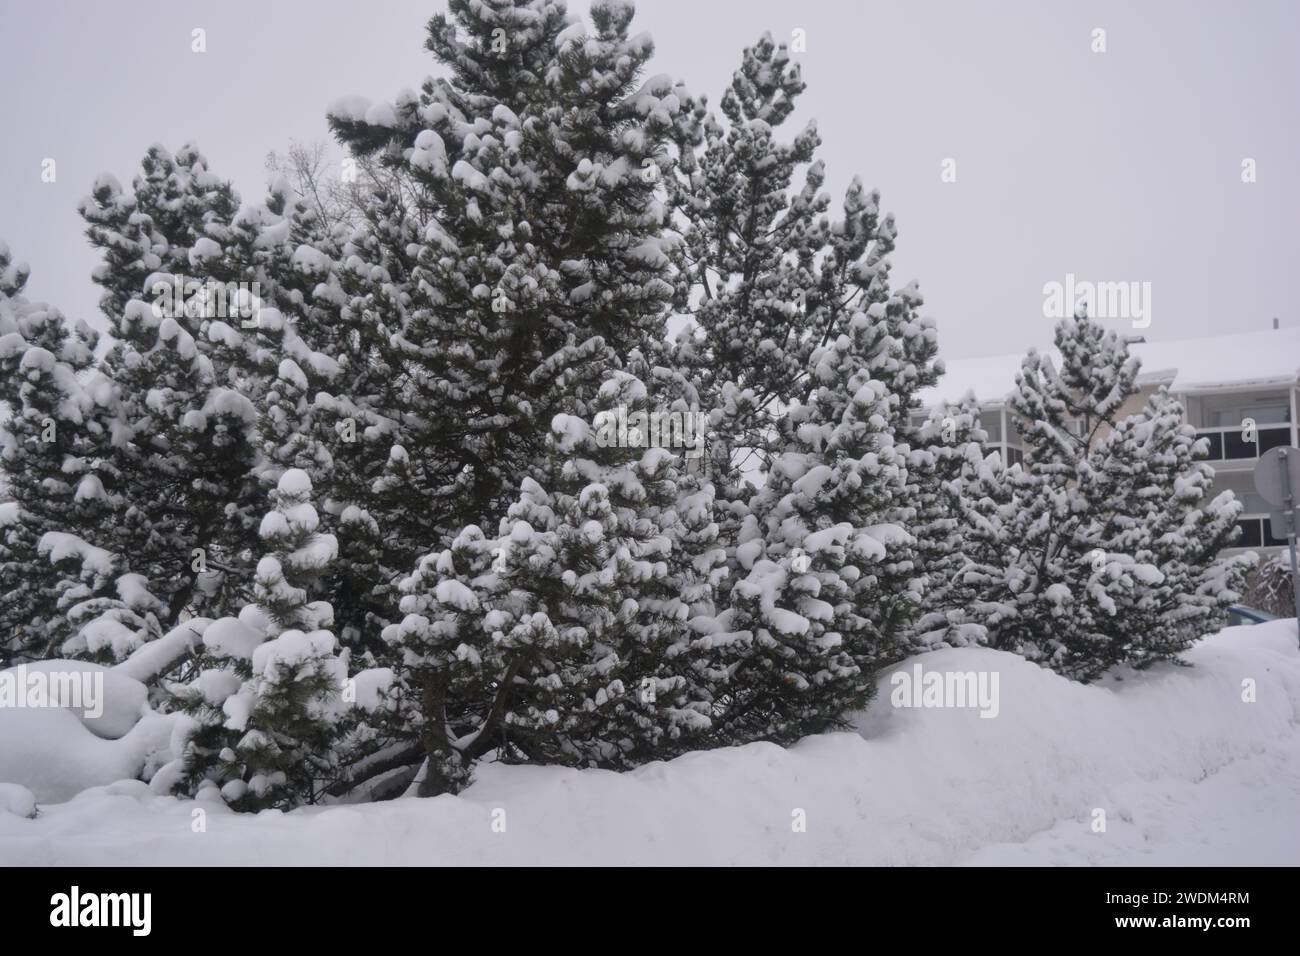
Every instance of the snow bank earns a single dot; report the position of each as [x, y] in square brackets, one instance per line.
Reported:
[1186, 770]
[57, 752]
[17, 800]
[51, 753]
[107, 703]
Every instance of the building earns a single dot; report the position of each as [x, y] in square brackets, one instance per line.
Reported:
[1227, 384]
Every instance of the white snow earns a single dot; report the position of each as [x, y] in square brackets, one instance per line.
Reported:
[291, 649]
[381, 114]
[295, 482]
[474, 180]
[204, 249]
[371, 686]
[59, 546]
[232, 637]
[430, 153]
[159, 656]
[1210, 779]
[351, 108]
[17, 799]
[112, 703]
[51, 752]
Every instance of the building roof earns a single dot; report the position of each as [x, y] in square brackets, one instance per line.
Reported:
[1216, 363]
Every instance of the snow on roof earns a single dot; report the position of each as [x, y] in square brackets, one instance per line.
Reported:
[1215, 363]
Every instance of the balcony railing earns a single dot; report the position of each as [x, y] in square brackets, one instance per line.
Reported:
[1229, 444]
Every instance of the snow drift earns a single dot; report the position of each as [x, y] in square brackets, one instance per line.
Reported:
[1189, 764]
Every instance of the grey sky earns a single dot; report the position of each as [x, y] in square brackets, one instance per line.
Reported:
[1115, 166]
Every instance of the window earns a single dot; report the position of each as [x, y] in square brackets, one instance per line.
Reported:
[1233, 443]
[1013, 432]
[1273, 438]
[1270, 541]
[1234, 446]
[1251, 534]
[1257, 532]
[1251, 502]
[1263, 414]
[992, 422]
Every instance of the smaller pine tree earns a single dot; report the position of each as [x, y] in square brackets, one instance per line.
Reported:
[1103, 548]
[580, 635]
[265, 695]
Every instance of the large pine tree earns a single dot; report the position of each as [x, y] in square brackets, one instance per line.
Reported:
[55, 436]
[522, 256]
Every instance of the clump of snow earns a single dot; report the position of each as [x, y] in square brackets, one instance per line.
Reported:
[232, 638]
[291, 649]
[371, 686]
[107, 702]
[203, 250]
[158, 657]
[51, 752]
[381, 114]
[310, 259]
[350, 108]
[18, 800]
[60, 546]
[295, 481]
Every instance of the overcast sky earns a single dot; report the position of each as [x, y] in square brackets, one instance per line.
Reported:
[1117, 166]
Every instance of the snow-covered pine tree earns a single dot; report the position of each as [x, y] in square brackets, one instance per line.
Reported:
[1049, 590]
[826, 591]
[1101, 549]
[769, 280]
[750, 248]
[191, 282]
[53, 439]
[1150, 487]
[174, 464]
[175, 206]
[569, 638]
[527, 241]
[950, 467]
[265, 696]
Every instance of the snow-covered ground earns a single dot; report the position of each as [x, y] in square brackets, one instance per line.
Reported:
[1185, 770]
